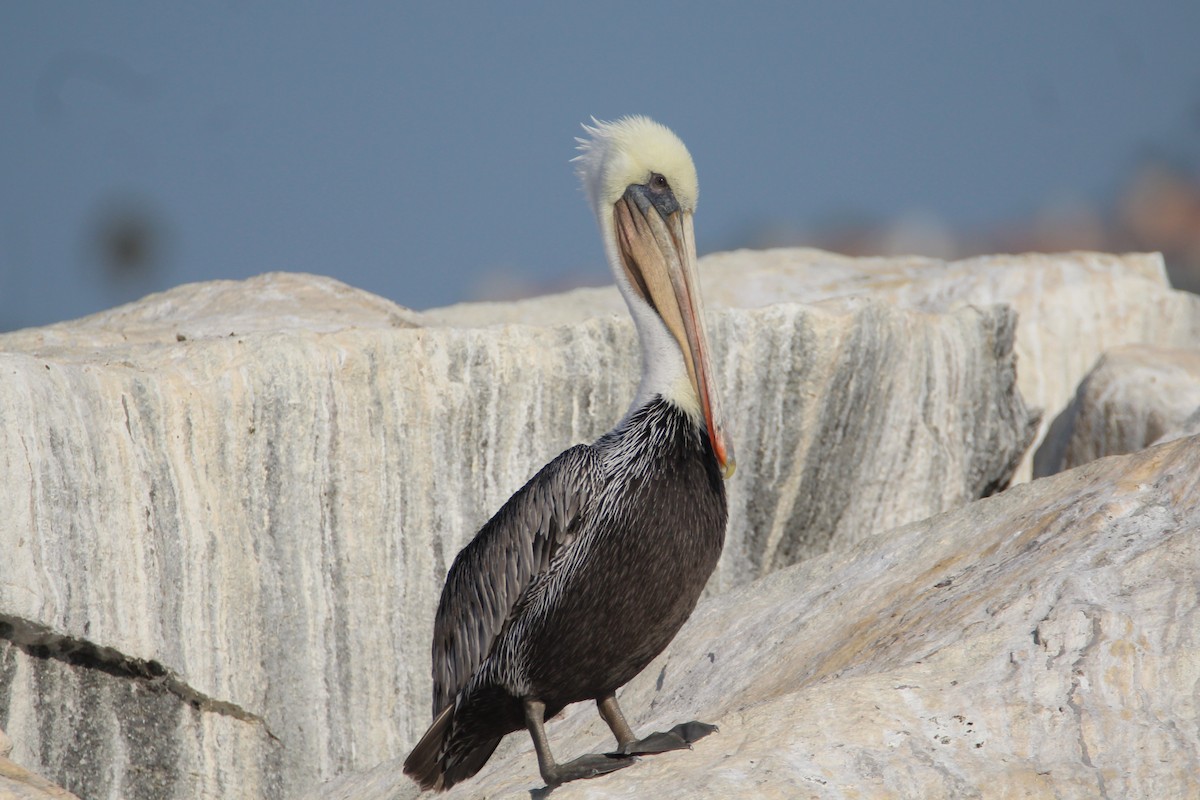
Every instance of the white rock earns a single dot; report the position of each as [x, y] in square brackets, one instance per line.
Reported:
[224, 552]
[226, 549]
[1189, 427]
[1041, 643]
[18, 783]
[1072, 307]
[1133, 396]
[271, 303]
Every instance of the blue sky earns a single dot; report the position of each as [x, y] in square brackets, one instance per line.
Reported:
[420, 151]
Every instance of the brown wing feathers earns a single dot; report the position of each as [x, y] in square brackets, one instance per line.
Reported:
[490, 575]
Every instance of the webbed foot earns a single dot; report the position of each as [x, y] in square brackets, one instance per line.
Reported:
[680, 737]
[588, 766]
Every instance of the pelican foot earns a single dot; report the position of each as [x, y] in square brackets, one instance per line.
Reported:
[588, 766]
[680, 737]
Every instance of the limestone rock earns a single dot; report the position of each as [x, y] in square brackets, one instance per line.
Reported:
[1071, 307]
[18, 783]
[1132, 397]
[1041, 643]
[1189, 427]
[224, 551]
[269, 303]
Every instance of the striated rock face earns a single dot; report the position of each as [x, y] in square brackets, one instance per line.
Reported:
[18, 783]
[230, 507]
[1134, 396]
[1041, 643]
[1071, 307]
[238, 537]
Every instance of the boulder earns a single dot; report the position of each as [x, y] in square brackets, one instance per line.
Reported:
[230, 507]
[1041, 643]
[1189, 427]
[18, 783]
[1071, 307]
[1134, 396]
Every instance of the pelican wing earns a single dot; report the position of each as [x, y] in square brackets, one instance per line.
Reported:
[491, 575]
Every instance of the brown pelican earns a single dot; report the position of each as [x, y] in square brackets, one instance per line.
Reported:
[589, 571]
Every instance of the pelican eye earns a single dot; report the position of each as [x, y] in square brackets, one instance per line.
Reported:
[655, 192]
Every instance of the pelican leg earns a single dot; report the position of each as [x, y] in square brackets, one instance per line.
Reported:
[553, 773]
[680, 737]
[610, 712]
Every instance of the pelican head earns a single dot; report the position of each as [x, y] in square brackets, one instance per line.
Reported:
[641, 183]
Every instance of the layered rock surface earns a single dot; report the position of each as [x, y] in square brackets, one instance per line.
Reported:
[232, 505]
[1041, 643]
[18, 783]
[1071, 308]
[1134, 396]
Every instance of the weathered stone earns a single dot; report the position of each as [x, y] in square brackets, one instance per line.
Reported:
[1189, 427]
[228, 549]
[1072, 307]
[271, 303]
[18, 783]
[1041, 643]
[108, 726]
[1133, 396]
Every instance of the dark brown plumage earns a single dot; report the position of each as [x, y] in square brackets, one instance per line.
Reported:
[574, 586]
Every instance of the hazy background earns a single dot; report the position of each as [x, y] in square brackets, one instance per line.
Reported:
[421, 151]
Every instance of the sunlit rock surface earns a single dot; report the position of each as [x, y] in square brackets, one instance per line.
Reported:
[18, 783]
[1041, 643]
[1134, 396]
[229, 507]
[1071, 307]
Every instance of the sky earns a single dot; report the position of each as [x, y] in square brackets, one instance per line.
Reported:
[421, 151]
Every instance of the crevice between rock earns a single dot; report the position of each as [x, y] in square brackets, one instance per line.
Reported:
[41, 642]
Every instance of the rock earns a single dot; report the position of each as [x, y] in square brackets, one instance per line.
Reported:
[18, 783]
[1071, 307]
[1040, 643]
[1189, 427]
[1132, 397]
[271, 303]
[224, 551]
